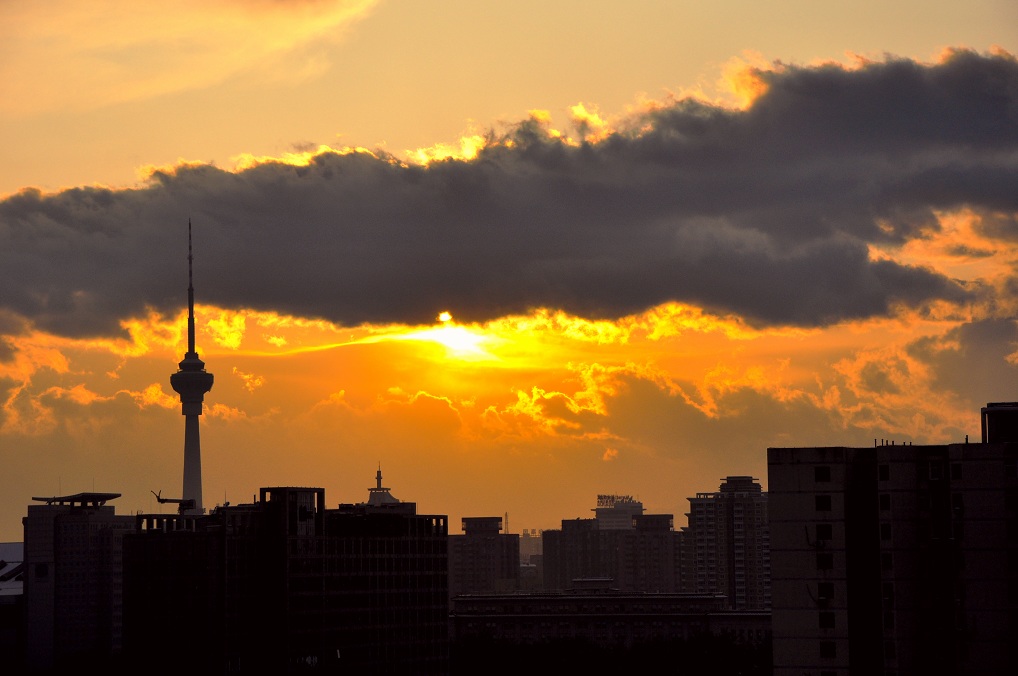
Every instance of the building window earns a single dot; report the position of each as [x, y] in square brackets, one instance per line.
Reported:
[888, 620]
[955, 471]
[885, 531]
[823, 503]
[889, 651]
[887, 592]
[825, 531]
[886, 561]
[885, 501]
[821, 473]
[827, 620]
[825, 560]
[825, 591]
[936, 470]
[828, 650]
[883, 472]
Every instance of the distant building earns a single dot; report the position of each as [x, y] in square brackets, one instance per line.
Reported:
[531, 560]
[897, 559]
[644, 556]
[616, 512]
[726, 544]
[483, 559]
[73, 581]
[530, 544]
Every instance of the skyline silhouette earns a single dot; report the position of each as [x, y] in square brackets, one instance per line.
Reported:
[619, 254]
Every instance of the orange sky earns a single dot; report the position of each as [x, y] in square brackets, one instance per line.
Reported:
[552, 380]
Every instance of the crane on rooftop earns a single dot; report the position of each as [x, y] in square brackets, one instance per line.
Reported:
[183, 504]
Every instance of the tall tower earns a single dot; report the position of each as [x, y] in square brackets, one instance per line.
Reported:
[191, 382]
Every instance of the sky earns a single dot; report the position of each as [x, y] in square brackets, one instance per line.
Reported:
[516, 255]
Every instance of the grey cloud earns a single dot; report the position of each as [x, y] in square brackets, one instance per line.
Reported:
[972, 361]
[766, 212]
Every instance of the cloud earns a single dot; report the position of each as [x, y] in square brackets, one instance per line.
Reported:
[770, 213]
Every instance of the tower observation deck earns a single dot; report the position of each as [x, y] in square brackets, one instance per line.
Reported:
[191, 382]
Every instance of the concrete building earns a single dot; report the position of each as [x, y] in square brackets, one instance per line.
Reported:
[73, 581]
[616, 512]
[483, 559]
[897, 559]
[645, 556]
[726, 544]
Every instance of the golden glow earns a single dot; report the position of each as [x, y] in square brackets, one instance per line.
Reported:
[122, 51]
[460, 342]
[741, 77]
[468, 149]
[592, 127]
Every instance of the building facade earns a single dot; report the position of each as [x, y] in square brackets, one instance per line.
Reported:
[483, 559]
[636, 551]
[73, 575]
[726, 544]
[897, 559]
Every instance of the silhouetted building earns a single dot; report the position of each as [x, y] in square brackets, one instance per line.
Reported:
[642, 557]
[12, 606]
[726, 544]
[285, 585]
[897, 559]
[73, 581]
[482, 559]
[602, 630]
[531, 560]
[616, 512]
[530, 544]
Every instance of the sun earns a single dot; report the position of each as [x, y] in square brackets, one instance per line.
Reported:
[465, 343]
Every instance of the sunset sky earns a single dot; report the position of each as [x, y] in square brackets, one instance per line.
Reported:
[517, 254]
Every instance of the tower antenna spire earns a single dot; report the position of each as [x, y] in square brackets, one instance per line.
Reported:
[190, 294]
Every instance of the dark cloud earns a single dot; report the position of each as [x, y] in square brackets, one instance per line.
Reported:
[972, 360]
[766, 212]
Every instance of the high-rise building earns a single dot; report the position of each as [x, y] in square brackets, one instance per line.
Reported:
[191, 382]
[726, 544]
[897, 559]
[73, 581]
[483, 559]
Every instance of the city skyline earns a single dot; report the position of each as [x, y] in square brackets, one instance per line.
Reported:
[608, 252]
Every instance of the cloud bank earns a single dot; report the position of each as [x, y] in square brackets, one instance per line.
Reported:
[772, 212]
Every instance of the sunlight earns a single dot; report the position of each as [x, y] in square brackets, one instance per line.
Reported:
[459, 341]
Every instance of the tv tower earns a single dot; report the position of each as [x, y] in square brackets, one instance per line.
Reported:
[191, 382]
